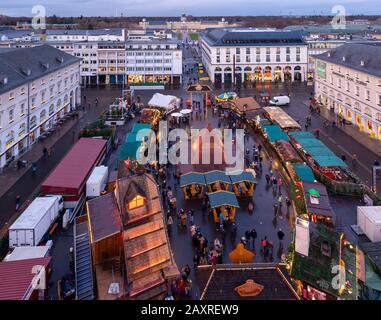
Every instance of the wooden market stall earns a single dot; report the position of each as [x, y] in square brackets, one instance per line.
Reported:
[193, 184]
[223, 203]
[317, 203]
[280, 117]
[243, 183]
[217, 180]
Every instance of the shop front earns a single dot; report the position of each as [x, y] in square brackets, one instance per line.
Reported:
[278, 74]
[287, 74]
[359, 122]
[22, 144]
[369, 128]
[258, 74]
[340, 110]
[268, 76]
[379, 132]
[135, 78]
[349, 115]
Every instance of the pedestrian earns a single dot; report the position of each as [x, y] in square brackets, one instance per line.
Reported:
[183, 217]
[306, 126]
[354, 159]
[253, 235]
[45, 151]
[34, 168]
[18, 202]
[275, 206]
[288, 203]
[280, 183]
[169, 225]
[233, 231]
[275, 184]
[264, 245]
[280, 235]
[280, 199]
[270, 248]
[317, 133]
[191, 217]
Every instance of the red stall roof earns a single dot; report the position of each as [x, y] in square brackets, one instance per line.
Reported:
[72, 171]
[16, 277]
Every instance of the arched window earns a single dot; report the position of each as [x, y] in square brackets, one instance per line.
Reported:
[33, 122]
[357, 106]
[10, 138]
[368, 112]
[42, 115]
[227, 69]
[59, 104]
[218, 69]
[22, 129]
[348, 101]
[247, 69]
[51, 109]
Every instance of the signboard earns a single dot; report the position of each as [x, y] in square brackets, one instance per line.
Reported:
[321, 69]
[302, 236]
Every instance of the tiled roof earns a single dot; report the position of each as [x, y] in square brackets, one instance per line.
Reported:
[251, 37]
[16, 277]
[354, 54]
[23, 65]
[219, 284]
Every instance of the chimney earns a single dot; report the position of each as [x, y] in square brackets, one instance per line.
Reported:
[329, 54]
[362, 63]
[344, 58]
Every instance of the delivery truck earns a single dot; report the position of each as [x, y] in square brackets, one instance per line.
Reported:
[369, 220]
[280, 101]
[97, 182]
[31, 226]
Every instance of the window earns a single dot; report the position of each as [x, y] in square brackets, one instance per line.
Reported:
[298, 57]
[267, 54]
[348, 86]
[33, 102]
[11, 115]
[258, 58]
[247, 58]
[288, 50]
[22, 109]
[218, 59]
[357, 90]
[33, 85]
[51, 89]
[136, 202]
[51, 109]
[379, 99]
[11, 95]
[22, 91]
[378, 116]
[43, 96]
[238, 50]
[367, 95]
[247, 50]
[339, 83]
[238, 58]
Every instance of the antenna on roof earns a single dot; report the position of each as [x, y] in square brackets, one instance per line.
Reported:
[59, 59]
[26, 71]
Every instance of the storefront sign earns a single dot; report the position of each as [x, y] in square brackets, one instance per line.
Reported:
[338, 74]
[321, 69]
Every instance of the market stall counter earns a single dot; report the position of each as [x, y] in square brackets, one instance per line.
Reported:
[193, 184]
[223, 204]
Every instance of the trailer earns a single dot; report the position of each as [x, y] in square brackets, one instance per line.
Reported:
[69, 177]
[369, 220]
[97, 182]
[32, 225]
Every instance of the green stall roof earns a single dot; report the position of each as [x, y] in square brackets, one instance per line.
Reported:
[304, 172]
[310, 142]
[319, 151]
[216, 176]
[275, 133]
[329, 161]
[129, 150]
[223, 198]
[243, 176]
[138, 126]
[302, 135]
[192, 178]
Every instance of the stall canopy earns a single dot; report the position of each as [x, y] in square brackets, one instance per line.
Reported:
[223, 198]
[275, 133]
[317, 199]
[320, 153]
[216, 176]
[246, 104]
[282, 118]
[129, 151]
[192, 178]
[242, 177]
[159, 100]
[288, 152]
[304, 172]
[139, 126]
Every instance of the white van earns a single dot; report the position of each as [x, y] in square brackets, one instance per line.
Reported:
[280, 101]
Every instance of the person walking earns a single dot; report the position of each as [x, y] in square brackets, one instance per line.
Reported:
[267, 179]
[34, 168]
[18, 202]
[275, 184]
[264, 246]
[275, 206]
[288, 204]
[280, 235]
[253, 235]
[169, 225]
[280, 199]
[280, 183]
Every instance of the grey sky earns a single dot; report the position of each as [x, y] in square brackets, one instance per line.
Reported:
[194, 7]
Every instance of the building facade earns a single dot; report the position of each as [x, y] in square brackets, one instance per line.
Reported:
[255, 55]
[348, 81]
[131, 61]
[38, 86]
[117, 34]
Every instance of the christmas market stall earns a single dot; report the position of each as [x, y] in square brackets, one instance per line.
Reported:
[318, 206]
[150, 116]
[193, 184]
[302, 172]
[280, 117]
[318, 249]
[223, 205]
[217, 180]
[274, 133]
[243, 183]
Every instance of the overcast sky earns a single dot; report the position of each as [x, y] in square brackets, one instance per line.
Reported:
[193, 7]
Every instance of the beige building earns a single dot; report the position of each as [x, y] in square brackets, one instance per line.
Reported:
[348, 81]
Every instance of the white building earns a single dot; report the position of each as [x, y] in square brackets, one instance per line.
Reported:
[255, 55]
[37, 87]
[116, 34]
[348, 81]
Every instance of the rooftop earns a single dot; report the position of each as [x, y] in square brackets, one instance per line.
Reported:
[219, 284]
[251, 37]
[20, 66]
[364, 57]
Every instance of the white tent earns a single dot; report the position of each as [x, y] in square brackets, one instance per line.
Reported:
[159, 100]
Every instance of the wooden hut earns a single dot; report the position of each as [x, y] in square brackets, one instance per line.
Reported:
[217, 180]
[225, 203]
[193, 184]
[243, 183]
